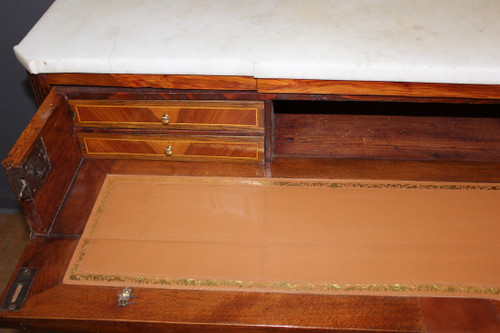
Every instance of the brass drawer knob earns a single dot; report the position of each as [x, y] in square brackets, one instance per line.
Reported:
[165, 120]
[168, 151]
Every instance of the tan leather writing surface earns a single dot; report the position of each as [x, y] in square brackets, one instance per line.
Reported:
[292, 235]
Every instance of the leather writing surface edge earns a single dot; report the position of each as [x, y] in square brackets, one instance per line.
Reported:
[274, 243]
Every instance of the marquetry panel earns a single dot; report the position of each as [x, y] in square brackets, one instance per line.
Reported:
[174, 148]
[238, 115]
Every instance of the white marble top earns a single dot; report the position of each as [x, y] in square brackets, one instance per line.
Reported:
[450, 41]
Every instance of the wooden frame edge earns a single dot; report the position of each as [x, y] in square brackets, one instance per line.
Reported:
[193, 82]
[378, 88]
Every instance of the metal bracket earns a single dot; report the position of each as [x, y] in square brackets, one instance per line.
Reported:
[19, 289]
[124, 297]
[27, 179]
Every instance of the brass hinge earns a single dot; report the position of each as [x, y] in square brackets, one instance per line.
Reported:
[124, 297]
[27, 179]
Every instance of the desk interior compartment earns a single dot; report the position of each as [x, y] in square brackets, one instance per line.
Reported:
[418, 130]
[188, 235]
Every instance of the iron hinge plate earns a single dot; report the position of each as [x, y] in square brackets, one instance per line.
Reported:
[19, 289]
[27, 179]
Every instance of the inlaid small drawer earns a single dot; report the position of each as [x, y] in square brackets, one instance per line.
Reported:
[180, 148]
[206, 115]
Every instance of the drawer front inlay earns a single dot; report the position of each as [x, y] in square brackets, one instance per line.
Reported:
[173, 148]
[243, 115]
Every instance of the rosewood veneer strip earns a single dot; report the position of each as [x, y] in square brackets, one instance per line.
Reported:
[154, 81]
[407, 89]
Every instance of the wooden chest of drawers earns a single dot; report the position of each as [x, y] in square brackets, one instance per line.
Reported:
[266, 165]
[81, 136]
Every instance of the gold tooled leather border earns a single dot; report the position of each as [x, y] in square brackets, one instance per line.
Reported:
[75, 275]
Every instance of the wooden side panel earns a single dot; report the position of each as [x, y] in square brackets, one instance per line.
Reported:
[169, 114]
[78, 204]
[53, 124]
[187, 148]
[393, 137]
[154, 81]
[39, 86]
[369, 88]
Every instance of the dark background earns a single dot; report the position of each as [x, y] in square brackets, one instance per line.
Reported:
[17, 104]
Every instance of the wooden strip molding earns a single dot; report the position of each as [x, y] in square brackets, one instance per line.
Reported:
[154, 81]
[366, 88]
[282, 86]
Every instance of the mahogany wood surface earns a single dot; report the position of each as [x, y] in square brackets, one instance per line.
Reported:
[65, 157]
[78, 204]
[26, 140]
[154, 81]
[268, 130]
[459, 315]
[324, 168]
[194, 310]
[496, 304]
[63, 214]
[394, 137]
[39, 88]
[408, 89]
[51, 123]
[82, 308]
[289, 86]
[125, 93]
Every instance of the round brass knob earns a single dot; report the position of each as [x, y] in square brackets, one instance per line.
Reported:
[168, 151]
[165, 120]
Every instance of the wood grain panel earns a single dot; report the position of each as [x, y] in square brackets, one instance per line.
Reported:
[77, 205]
[53, 124]
[116, 93]
[154, 81]
[369, 88]
[241, 115]
[39, 87]
[247, 149]
[496, 304]
[327, 168]
[459, 315]
[394, 137]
